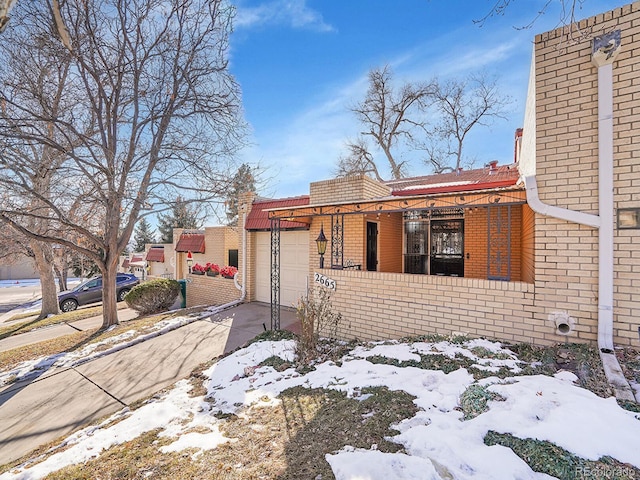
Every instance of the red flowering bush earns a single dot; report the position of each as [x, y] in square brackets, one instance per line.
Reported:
[198, 269]
[228, 271]
[212, 267]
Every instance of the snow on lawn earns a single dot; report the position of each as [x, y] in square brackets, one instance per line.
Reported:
[436, 439]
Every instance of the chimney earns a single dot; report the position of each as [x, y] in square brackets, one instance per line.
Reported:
[518, 145]
[493, 166]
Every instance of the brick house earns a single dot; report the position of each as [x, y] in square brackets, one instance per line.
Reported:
[449, 253]
[515, 264]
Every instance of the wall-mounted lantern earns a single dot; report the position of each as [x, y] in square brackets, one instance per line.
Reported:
[321, 242]
[189, 261]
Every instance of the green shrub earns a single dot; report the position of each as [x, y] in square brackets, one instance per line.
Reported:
[153, 296]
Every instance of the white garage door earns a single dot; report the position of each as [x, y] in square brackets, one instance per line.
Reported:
[294, 266]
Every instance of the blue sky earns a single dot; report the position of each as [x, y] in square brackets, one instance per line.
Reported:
[302, 63]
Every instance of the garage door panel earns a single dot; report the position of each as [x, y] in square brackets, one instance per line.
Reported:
[294, 266]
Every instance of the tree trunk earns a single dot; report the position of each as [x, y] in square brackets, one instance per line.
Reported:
[60, 272]
[47, 281]
[109, 293]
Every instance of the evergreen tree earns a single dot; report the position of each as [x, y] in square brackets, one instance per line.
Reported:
[182, 215]
[143, 234]
[243, 181]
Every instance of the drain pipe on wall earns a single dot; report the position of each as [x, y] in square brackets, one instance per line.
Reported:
[605, 50]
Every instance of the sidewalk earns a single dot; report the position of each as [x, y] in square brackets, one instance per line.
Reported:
[60, 401]
[53, 331]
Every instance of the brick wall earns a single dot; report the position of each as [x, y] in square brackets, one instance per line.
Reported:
[566, 146]
[390, 305]
[343, 189]
[528, 244]
[204, 290]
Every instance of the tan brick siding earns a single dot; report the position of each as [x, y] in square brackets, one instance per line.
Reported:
[566, 270]
[344, 189]
[389, 305]
[204, 290]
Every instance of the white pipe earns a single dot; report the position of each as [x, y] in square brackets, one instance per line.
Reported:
[605, 198]
[243, 287]
[533, 199]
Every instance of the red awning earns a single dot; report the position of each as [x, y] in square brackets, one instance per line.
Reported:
[125, 263]
[191, 242]
[258, 218]
[155, 254]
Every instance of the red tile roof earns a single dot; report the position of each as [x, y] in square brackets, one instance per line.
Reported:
[155, 254]
[191, 242]
[464, 181]
[258, 218]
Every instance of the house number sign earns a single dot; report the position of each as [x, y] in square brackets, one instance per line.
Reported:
[330, 283]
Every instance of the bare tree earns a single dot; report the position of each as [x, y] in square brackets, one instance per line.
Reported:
[389, 117]
[151, 112]
[459, 107]
[358, 160]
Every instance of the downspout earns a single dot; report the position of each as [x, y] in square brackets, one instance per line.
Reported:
[243, 287]
[605, 50]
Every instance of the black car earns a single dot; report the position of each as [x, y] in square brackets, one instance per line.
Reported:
[91, 291]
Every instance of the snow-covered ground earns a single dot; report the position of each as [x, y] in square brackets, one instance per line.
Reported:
[436, 438]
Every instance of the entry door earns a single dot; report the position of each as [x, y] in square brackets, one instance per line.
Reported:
[372, 246]
[447, 247]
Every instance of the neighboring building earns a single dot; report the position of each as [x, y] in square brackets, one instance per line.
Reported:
[136, 264]
[160, 260]
[218, 245]
[20, 268]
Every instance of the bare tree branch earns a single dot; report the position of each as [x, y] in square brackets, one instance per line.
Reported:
[358, 161]
[460, 106]
[389, 117]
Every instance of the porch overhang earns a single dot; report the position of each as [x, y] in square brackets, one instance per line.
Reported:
[505, 196]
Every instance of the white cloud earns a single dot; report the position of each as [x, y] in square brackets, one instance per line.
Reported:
[293, 13]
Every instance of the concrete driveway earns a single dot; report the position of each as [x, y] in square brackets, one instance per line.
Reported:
[59, 402]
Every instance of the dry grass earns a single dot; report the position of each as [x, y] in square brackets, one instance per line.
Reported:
[75, 341]
[67, 343]
[288, 441]
[33, 323]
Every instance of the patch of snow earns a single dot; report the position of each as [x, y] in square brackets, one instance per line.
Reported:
[402, 353]
[357, 464]
[437, 185]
